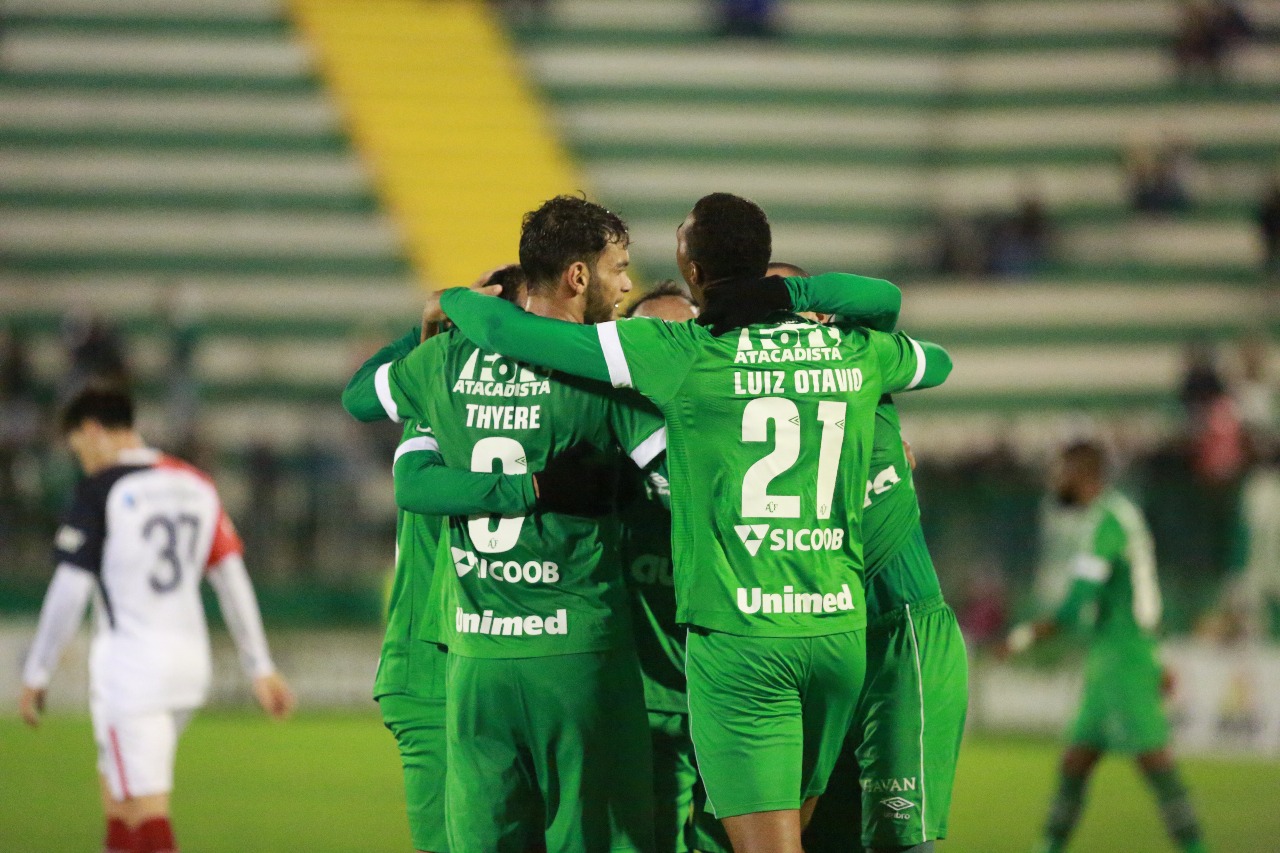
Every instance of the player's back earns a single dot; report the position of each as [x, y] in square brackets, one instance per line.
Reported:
[156, 523]
[1129, 605]
[770, 434]
[546, 583]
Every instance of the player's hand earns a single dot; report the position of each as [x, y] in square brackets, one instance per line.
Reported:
[909, 453]
[274, 695]
[1168, 682]
[31, 705]
[578, 481]
[433, 315]
[733, 304]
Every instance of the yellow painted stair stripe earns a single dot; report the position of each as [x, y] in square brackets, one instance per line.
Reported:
[459, 144]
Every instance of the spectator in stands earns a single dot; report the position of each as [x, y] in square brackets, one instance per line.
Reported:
[956, 246]
[1207, 34]
[183, 393]
[1159, 176]
[1268, 218]
[95, 351]
[20, 424]
[1257, 400]
[751, 18]
[1018, 244]
[1216, 439]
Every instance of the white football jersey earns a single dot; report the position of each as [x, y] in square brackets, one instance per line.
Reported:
[147, 529]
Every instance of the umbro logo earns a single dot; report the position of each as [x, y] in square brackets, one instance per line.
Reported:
[898, 804]
[463, 561]
[752, 536]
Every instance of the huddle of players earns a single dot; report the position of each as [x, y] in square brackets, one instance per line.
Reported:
[767, 487]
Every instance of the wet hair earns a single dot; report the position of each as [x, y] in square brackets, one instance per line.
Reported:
[110, 407]
[563, 231]
[662, 290]
[728, 238]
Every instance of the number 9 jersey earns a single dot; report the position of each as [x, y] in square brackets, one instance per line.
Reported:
[147, 529]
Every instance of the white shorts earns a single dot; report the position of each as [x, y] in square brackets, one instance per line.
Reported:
[136, 751]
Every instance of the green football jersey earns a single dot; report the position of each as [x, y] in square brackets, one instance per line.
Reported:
[769, 443]
[409, 613]
[646, 556]
[522, 585]
[1116, 569]
[891, 512]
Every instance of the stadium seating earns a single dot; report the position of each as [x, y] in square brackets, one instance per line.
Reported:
[184, 153]
[863, 120]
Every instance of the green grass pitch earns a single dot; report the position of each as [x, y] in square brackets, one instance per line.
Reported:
[331, 783]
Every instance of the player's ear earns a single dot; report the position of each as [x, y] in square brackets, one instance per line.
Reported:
[576, 277]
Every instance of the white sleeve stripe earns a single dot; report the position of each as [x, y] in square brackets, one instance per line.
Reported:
[648, 450]
[920, 364]
[1092, 568]
[382, 384]
[420, 442]
[611, 344]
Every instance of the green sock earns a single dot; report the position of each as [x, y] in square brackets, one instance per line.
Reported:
[1064, 812]
[1175, 807]
[926, 847]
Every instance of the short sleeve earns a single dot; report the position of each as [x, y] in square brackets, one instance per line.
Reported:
[902, 360]
[83, 530]
[652, 356]
[226, 541]
[638, 427]
[403, 385]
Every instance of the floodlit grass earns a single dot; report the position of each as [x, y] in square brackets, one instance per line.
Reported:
[332, 783]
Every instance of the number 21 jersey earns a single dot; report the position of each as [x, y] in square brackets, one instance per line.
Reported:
[769, 434]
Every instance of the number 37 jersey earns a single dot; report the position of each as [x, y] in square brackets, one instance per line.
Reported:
[769, 434]
[147, 529]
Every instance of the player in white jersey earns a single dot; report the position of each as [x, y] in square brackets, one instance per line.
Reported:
[143, 530]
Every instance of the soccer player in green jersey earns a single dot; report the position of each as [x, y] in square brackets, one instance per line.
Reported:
[410, 682]
[1120, 709]
[769, 434]
[660, 640]
[544, 698]
[891, 786]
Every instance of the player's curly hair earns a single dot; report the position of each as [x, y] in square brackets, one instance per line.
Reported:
[563, 231]
[728, 237]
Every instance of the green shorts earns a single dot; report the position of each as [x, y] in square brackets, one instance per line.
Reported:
[418, 722]
[708, 834]
[550, 747]
[1120, 710]
[674, 776]
[892, 784]
[768, 715]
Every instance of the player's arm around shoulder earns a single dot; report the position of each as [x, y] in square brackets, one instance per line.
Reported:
[908, 364]
[859, 300]
[425, 485]
[495, 325]
[360, 397]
